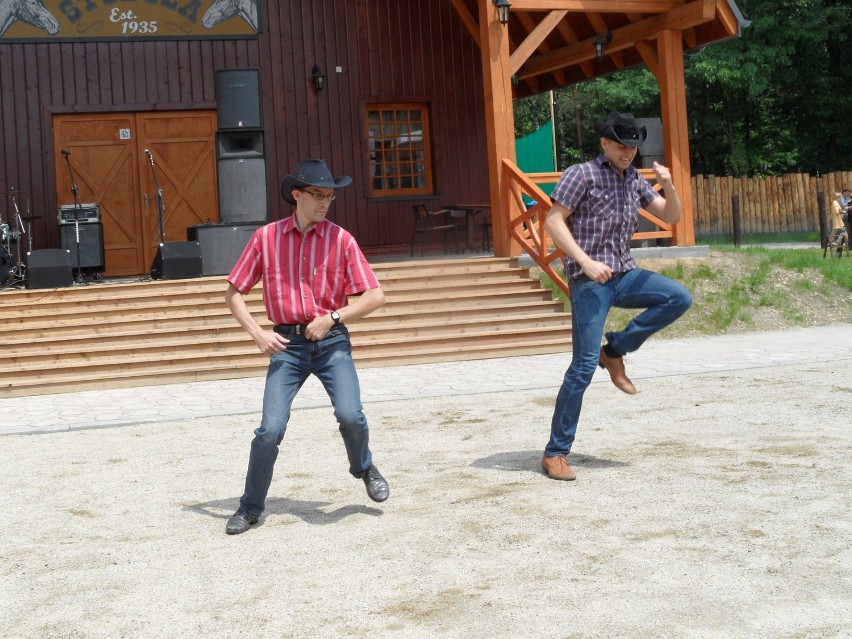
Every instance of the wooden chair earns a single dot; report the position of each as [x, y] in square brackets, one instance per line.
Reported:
[426, 222]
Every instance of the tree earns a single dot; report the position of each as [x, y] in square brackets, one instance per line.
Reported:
[777, 99]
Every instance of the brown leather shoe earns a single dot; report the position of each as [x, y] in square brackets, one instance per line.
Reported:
[615, 368]
[557, 467]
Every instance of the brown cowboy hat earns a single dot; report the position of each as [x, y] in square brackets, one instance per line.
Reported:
[311, 173]
[621, 127]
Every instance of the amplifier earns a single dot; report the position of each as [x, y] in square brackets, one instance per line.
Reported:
[70, 213]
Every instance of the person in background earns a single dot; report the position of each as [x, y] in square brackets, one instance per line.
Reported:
[310, 267]
[837, 221]
[593, 218]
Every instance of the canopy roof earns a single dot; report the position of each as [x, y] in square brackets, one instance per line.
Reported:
[552, 42]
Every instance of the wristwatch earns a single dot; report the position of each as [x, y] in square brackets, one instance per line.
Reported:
[336, 317]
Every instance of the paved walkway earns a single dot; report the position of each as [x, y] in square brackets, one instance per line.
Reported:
[658, 358]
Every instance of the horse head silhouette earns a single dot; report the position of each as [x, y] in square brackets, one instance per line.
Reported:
[223, 9]
[29, 11]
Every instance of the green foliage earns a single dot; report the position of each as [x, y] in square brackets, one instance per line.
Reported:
[778, 99]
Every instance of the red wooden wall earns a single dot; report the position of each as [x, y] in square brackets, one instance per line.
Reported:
[388, 51]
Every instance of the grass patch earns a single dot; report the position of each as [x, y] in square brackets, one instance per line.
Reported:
[742, 289]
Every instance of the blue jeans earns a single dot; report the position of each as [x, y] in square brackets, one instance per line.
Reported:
[665, 301]
[330, 359]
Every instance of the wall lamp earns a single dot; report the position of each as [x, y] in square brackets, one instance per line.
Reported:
[318, 78]
[600, 44]
[503, 7]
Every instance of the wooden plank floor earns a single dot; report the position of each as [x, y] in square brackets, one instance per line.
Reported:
[111, 334]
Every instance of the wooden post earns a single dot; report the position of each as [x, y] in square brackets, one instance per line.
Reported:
[735, 209]
[823, 220]
[672, 80]
[499, 120]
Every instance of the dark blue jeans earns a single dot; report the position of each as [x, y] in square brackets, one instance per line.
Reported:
[664, 300]
[330, 359]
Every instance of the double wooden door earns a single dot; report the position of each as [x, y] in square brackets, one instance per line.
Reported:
[110, 167]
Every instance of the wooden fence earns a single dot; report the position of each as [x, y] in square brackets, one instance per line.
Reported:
[777, 204]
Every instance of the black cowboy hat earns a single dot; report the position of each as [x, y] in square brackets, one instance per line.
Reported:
[622, 128]
[311, 173]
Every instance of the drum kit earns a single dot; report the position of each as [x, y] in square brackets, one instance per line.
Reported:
[12, 268]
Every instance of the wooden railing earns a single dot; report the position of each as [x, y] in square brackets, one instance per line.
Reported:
[526, 222]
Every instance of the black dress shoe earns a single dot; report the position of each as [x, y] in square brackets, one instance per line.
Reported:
[240, 522]
[377, 487]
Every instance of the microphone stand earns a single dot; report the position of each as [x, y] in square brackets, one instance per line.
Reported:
[16, 234]
[79, 208]
[161, 205]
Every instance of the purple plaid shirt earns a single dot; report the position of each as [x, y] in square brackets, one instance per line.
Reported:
[605, 211]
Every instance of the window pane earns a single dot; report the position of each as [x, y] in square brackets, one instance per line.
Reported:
[399, 150]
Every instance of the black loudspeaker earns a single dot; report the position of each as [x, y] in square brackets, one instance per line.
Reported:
[238, 99]
[652, 148]
[49, 268]
[242, 190]
[221, 245]
[177, 261]
[239, 144]
[91, 245]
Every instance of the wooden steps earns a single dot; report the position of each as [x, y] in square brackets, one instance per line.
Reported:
[110, 335]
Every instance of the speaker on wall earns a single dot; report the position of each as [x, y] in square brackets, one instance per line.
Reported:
[242, 190]
[177, 261]
[221, 244]
[238, 99]
[91, 245]
[49, 268]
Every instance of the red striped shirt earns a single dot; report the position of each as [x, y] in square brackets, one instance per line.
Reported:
[304, 275]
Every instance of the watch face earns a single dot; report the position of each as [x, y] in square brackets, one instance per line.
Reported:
[335, 316]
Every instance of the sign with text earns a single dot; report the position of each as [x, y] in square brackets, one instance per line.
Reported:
[27, 20]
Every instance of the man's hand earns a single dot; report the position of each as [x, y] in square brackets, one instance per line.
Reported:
[664, 176]
[318, 327]
[270, 342]
[597, 271]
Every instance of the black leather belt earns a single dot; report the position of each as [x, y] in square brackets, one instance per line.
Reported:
[290, 329]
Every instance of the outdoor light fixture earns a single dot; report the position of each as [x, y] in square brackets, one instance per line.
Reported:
[318, 78]
[600, 44]
[503, 7]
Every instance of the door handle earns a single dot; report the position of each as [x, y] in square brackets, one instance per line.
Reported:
[146, 201]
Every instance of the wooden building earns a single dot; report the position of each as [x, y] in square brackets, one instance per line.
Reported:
[412, 99]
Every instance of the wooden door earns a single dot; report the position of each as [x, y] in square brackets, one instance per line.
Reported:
[110, 167]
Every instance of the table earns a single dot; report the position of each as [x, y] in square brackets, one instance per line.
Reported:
[469, 211]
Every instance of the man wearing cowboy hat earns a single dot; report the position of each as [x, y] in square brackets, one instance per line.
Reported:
[594, 216]
[310, 267]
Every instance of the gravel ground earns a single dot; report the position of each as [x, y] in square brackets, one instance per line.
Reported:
[711, 505]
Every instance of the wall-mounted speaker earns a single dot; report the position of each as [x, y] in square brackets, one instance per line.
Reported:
[49, 268]
[91, 245]
[177, 261]
[238, 99]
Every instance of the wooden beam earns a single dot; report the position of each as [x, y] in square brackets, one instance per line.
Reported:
[534, 39]
[467, 19]
[728, 18]
[672, 82]
[685, 17]
[649, 56]
[499, 120]
[601, 6]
